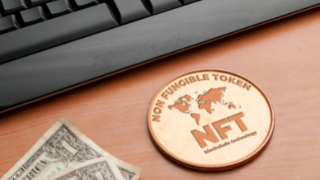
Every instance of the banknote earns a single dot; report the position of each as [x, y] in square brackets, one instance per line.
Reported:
[62, 146]
[95, 169]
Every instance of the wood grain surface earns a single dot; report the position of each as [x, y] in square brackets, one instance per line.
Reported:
[282, 58]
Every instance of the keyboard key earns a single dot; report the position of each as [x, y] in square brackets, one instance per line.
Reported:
[55, 32]
[8, 23]
[131, 10]
[13, 6]
[188, 1]
[32, 16]
[58, 8]
[80, 4]
[34, 3]
[159, 6]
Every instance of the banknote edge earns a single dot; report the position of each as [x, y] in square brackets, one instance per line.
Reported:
[64, 121]
[87, 163]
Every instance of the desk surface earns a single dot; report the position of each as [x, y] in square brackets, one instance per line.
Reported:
[282, 58]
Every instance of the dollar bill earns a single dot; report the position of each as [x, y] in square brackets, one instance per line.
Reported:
[62, 146]
[95, 169]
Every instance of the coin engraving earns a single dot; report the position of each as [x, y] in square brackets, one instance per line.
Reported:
[211, 119]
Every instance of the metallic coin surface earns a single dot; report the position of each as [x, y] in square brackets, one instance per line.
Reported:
[210, 120]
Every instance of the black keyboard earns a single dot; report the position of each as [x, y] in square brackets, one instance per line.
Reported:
[47, 47]
[35, 25]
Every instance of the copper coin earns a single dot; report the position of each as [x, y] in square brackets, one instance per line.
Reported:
[210, 120]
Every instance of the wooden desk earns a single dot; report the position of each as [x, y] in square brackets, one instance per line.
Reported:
[282, 58]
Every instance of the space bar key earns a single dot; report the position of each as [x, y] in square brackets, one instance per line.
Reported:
[55, 31]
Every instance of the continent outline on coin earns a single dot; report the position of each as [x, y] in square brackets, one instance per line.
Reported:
[204, 101]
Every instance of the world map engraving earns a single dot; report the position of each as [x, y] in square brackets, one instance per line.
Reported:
[204, 101]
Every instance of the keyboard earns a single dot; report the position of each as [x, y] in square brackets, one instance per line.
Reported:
[51, 46]
[35, 25]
